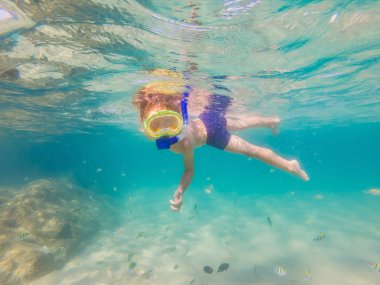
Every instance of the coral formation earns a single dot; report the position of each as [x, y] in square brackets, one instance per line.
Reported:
[46, 223]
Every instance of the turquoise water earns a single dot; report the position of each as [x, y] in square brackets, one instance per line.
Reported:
[68, 72]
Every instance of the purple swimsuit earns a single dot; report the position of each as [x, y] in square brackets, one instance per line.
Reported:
[213, 117]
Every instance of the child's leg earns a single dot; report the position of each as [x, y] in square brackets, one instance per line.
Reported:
[243, 123]
[240, 146]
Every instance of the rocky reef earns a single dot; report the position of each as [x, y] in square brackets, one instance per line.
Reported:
[46, 223]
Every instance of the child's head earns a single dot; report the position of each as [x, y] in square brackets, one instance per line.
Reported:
[159, 104]
[149, 99]
[164, 93]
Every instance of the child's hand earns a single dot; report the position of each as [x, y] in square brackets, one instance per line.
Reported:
[176, 203]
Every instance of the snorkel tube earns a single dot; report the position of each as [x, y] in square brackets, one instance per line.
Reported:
[165, 142]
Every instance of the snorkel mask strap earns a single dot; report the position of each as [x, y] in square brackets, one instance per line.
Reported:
[184, 100]
[166, 142]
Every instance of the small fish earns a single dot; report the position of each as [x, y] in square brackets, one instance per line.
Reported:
[175, 267]
[318, 197]
[373, 191]
[333, 18]
[309, 222]
[209, 189]
[142, 235]
[130, 255]
[101, 263]
[320, 237]
[208, 269]
[170, 249]
[163, 237]
[168, 228]
[192, 281]
[280, 271]
[23, 236]
[193, 216]
[223, 267]
[294, 281]
[109, 272]
[61, 254]
[225, 241]
[132, 265]
[45, 250]
[307, 275]
[269, 220]
[194, 213]
[376, 266]
[148, 274]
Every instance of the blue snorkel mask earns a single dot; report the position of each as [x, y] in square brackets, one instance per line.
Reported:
[165, 142]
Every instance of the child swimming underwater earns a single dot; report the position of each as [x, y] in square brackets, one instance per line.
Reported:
[163, 111]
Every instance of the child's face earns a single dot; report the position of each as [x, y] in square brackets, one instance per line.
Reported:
[166, 122]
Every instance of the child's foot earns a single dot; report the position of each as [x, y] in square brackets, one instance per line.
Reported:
[274, 124]
[296, 169]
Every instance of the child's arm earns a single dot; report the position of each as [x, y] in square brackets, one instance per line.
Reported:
[187, 177]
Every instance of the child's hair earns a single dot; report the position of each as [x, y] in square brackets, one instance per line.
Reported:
[164, 92]
[148, 97]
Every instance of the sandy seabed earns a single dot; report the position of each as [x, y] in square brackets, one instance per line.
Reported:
[157, 246]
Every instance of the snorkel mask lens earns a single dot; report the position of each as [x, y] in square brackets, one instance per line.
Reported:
[163, 123]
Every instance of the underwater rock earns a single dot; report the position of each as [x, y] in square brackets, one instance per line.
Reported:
[10, 74]
[223, 267]
[44, 224]
[208, 269]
